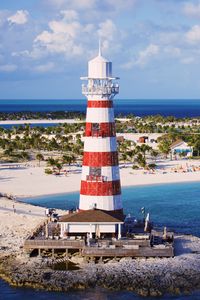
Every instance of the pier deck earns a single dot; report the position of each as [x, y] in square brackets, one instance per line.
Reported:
[139, 245]
[119, 248]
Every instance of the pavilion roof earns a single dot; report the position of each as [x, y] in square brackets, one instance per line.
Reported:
[93, 216]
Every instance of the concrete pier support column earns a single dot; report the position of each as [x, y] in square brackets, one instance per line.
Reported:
[53, 252]
[66, 252]
[119, 231]
[39, 252]
[90, 231]
[46, 230]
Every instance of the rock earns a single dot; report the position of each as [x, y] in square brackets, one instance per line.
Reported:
[46, 276]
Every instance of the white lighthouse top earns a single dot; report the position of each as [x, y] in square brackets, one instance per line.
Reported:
[99, 67]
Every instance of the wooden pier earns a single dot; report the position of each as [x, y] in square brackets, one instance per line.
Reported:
[154, 244]
[102, 248]
[131, 252]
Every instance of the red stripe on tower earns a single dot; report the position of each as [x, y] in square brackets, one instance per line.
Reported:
[103, 130]
[98, 188]
[100, 159]
[100, 104]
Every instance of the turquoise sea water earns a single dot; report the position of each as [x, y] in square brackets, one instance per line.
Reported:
[175, 205]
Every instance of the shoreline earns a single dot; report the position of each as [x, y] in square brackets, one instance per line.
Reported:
[146, 277]
[126, 186]
[29, 180]
[42, 121]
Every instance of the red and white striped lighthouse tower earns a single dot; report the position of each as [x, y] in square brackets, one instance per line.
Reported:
[100, 181]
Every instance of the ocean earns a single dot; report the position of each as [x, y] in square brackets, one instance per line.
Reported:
[8, 293]
[178, 108]
[176, 206]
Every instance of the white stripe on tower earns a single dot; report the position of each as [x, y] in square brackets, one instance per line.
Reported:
[102, 202]
[104, 115]
[96, 144]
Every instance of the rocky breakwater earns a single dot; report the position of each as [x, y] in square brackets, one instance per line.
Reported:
[147, 277]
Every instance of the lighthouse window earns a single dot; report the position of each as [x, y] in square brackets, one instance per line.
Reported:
[95, 126]
[95, 171]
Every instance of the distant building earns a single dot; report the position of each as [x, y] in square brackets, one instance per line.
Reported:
[180, 148]
[143, 139]
[120, 138]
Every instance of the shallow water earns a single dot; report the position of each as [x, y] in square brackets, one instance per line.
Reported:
[10, 293]
[176, 206]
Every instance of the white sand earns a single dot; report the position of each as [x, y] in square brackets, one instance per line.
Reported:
[16, 225]
[33, 121]
[24, 181]
[24, 220]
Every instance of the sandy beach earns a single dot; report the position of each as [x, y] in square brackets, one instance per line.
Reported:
[24, 180]
[44, 121]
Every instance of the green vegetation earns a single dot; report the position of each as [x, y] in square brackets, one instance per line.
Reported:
[57, 115]
[62, 144]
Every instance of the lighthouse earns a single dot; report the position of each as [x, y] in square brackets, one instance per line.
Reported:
[100, 211]
[100, 181]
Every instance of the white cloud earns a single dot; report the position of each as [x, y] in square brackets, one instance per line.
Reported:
[9, 68]
[69, 15]
[173, 51]
[62, 37]
[192, 10]
[110, 35]
[70, 4]
[19, 18]
[144, 57]
[121, 4]
[187, 60]
[107, 30]
[193, 36]
[45, 67]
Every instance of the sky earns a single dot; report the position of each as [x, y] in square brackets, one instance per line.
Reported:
[154, 46]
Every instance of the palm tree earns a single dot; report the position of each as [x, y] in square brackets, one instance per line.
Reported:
[144, 149]
[24, 155]
[154, 154]
[141, 160]
[164, 147]
[39, 157]
[52, 162]
[59, 166]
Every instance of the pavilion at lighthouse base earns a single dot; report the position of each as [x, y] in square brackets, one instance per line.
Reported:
[93, 223]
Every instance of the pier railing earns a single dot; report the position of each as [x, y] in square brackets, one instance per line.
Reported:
[55, 244]
[123, 252]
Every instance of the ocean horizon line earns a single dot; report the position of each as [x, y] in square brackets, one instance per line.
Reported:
[121, 99]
